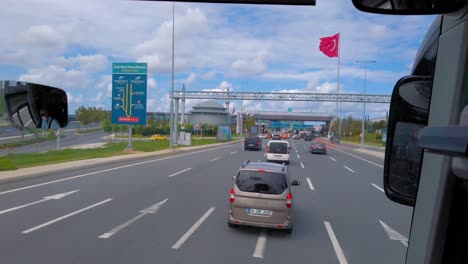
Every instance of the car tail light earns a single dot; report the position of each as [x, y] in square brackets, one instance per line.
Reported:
[288, 200]
[261, 170]
[231, 197]
[268, 149]
[289, 150]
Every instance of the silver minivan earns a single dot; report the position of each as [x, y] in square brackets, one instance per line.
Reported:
[261, 196]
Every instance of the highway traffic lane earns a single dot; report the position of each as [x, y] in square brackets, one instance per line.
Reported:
[242, 158]
[216, 235]
[69, 251]
[123, 200]
[371, 176]
[354, 210]
[351, 151]
[110, 183]
[98, 178]
[309, 241]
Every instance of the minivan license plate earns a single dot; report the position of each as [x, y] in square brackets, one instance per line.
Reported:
[259, 212]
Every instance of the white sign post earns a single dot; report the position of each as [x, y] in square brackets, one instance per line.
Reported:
[57, 134]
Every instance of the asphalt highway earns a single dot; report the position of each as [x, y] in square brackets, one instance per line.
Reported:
[173, 209]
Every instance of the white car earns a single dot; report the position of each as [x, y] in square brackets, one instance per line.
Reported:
[261, 136]
[278, 150]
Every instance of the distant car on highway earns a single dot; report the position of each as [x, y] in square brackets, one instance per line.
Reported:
[278, 150]
[267, 136]
[261, 196]
[261, 136]
[253, 143]
[276, 137]
[284, 136]
[158, 137]
[295, 136]
[318, 148]
[308, 138]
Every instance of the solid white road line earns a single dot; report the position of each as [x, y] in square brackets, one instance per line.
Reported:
[310, 184]
[332, 158]
[348, 168]
[192, 229]
[295, 150]
[298, 156]
[393, 234]
[336, 245]
[357, 157]
[260, 247]
[232, 153]
[150, 210]
[302, 165]
[46, 198]
[65, 217]
[376, 186]
[215, 159]
[177, 173]
[110, 169]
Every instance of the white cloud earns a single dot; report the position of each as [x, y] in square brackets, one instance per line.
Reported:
[327, 88]
[44, 36]
[88, 63]
[74, 99]
[245, 67]
[152, 83]
[157, 50]
[57, 77]
[209, 75]
[222, 87]
[190, 79]
[268, 43]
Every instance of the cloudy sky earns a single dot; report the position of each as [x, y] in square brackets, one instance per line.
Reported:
[72, 44]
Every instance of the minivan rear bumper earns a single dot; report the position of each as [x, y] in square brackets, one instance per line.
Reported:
[283, 157]
[285, 225]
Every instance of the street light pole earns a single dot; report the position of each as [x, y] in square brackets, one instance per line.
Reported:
[171, 127]
[364, 103]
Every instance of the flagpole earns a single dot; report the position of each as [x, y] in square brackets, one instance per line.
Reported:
[338, 106]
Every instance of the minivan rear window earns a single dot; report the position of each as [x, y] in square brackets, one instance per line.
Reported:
[279, 148]
[261, 182]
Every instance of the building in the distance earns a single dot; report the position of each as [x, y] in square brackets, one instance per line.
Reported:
[209, 112]
[163, 116]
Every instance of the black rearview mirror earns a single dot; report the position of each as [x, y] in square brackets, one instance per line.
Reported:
[408, 7]
[408, 115]
[26, 105]
[295, 183]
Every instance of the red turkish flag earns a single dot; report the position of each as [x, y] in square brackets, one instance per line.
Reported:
[329, 45]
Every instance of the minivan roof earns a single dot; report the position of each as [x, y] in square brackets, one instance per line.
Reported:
[268, 166]
[278, 141]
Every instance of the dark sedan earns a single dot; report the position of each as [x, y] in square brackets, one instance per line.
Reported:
[253, 143]
[318, 148]
[308, 138]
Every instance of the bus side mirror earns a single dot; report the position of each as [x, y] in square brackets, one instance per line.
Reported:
[408, 115]
[22, 103]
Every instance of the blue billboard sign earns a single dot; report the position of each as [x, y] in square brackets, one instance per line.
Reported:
[129, 87]
[280, 125]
